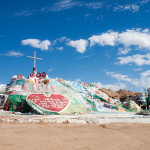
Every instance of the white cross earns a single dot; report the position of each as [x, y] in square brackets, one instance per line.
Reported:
[34, 58]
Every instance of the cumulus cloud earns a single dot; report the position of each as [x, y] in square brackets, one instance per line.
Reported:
[14, 54]
[114, 87]
[60, 48]
[43, 45]
[124, 51]
[119, 77]
[108, 38]
[80, 45]
[135, 37]
[136, 59]
[129, 38]
[142, 82]
[60, 40]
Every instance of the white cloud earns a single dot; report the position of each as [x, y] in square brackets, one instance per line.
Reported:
[87, 56]
[60, 48]
[60, 40]
[62, 5]
[144, 1]
[94, 5]
[14, 54]
[119, 77]
[43, 45]
[124, 51]
[137, 69]
[80, 45]
[68, 4]
[24, 13]
[130, 7]
[114, 87]
[127, 40]
[137, 59]
[133, 7]
[108, 38]
[135, 37]
[142, 82]
[50, 69]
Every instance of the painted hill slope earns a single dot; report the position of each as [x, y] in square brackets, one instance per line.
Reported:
[42, 95]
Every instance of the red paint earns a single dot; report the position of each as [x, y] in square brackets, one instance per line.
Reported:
[39, 80]
[46, 88]
[38, 75]
[35, 88]
[32, 75]
[19, 76]
[44, 74]
[97, 92]
[6, 105]
[13, 92]
[84, 84]
[96, 86]
[55, 102]
[25, 87]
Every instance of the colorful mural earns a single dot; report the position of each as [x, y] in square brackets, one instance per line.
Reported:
[42, 95]
[54, 102]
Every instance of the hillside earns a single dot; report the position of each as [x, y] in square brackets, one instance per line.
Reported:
[120, 95]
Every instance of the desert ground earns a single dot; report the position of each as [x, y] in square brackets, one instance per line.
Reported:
[68, 136]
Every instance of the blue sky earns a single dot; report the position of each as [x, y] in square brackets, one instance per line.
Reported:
[105, 41]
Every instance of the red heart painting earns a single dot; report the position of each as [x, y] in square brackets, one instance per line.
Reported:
[55, 102]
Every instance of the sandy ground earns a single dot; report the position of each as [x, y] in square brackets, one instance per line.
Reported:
[66, 136]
